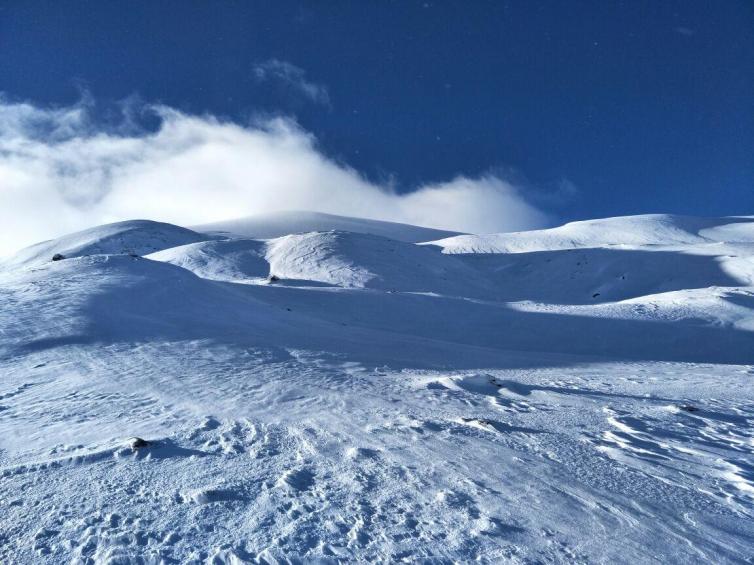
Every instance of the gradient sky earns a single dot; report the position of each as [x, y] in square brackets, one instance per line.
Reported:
[598, 108]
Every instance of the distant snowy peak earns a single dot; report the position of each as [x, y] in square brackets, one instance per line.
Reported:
[270, 226]
[138, 237]
[650, 229]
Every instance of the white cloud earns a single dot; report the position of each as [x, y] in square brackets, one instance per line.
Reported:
[292, 77]
[60, 172]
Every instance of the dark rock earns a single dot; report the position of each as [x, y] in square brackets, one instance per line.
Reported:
[137, 443]
[58, 257]
[688, 408]
[273, 278]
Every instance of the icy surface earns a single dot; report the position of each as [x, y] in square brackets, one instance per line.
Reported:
[581, 394]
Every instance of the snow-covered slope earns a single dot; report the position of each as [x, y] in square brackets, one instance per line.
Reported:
[581, 394]
[609, 274]
[354, 260]
[136, 237]
[344, 259]
[238, 260]
[270, 226]
[652, 229]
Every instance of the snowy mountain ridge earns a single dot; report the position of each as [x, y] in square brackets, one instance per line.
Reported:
[649, 229]
[272, 225]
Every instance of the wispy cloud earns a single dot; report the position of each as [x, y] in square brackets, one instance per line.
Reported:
[293, 77]
[684, 31]
[60, 172]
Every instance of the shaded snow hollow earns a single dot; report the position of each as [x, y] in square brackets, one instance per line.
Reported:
[329, 389]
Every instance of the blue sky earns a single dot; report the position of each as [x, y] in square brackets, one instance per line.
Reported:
[590, 108]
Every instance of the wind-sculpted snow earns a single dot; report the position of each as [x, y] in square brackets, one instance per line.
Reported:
[366, 261]
[375, 400]
[235, 260]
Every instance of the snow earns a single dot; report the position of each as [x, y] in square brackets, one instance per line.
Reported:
[270, 226]
[650, 229]
[236, 260]
[580, 394]
[137, 237]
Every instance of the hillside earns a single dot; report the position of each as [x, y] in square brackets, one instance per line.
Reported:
[392, 393]
[652, 229]
[270, 226]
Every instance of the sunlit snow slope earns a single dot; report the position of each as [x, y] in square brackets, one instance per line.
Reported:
[329, 389]
[285, 223]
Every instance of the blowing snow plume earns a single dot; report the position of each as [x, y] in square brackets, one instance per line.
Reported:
[61, 170]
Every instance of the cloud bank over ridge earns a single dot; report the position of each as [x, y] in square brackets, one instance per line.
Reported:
[61, 170]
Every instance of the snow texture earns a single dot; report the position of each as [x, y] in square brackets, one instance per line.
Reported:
[312, 388]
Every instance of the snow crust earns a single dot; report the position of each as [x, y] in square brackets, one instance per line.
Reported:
[575, 395]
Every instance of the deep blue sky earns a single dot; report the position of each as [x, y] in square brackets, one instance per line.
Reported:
[644, 105]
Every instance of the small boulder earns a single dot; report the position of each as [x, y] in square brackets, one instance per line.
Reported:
[273, 278]
[58, 257]
[136, 443]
